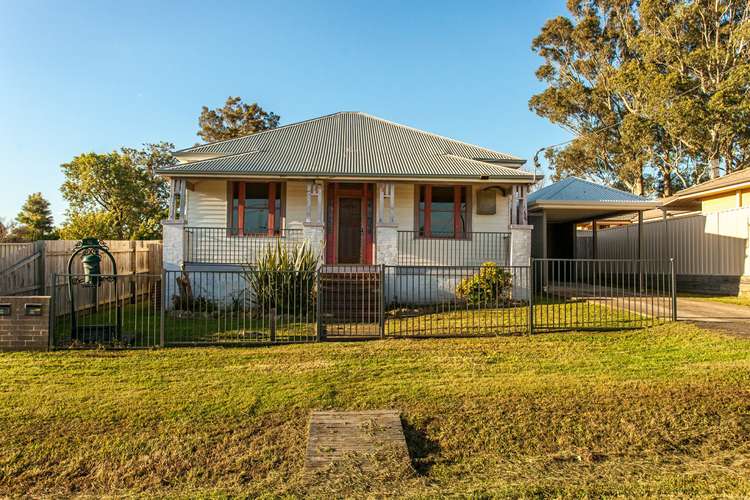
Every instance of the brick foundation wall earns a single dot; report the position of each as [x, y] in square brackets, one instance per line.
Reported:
[20, 330]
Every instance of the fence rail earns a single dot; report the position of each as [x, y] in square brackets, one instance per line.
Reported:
[473, 249]
[602, 293]
[123, 311]
[221, 245]
[270, 307]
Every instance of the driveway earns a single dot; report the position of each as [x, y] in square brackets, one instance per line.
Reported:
[715, 315]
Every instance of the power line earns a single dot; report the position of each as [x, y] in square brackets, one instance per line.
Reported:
[596, 131]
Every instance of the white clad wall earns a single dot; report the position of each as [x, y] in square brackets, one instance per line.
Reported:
[207, 204]
[499, 222]
[296, 202]
[404, 207]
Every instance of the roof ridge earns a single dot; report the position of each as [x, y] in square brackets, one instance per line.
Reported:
[230, 155]
[290, 125]
[560, 185]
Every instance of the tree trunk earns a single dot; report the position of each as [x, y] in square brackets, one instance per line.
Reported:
[667, 184]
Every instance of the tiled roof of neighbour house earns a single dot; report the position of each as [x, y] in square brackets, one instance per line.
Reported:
[577, 190]
[349, 144]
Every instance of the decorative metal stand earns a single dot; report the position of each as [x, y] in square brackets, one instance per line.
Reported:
[92, 278]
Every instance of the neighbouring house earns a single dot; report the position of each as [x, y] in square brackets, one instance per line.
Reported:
[361, 190]
[705, 228]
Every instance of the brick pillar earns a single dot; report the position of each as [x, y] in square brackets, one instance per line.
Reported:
[520, 255]
[173, 240]
[24, 323]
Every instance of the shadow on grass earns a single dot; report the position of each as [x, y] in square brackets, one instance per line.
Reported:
[422, 449]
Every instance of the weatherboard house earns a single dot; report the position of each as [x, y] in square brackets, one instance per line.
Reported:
[360, 190]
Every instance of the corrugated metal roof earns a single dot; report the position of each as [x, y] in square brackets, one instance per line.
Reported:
[581, 190]
[371, 164]
[351, 131]
[725, 181]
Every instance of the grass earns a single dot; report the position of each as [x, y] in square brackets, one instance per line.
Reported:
[724, 299]
[663, 411]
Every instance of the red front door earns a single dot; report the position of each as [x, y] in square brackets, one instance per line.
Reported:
[349, 223]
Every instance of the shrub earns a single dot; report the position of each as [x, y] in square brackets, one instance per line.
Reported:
[284, 279]
[491, 285]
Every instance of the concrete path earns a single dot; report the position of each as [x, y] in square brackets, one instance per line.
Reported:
[732, 318]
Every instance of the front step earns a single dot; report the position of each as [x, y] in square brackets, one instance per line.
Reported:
[349, 298]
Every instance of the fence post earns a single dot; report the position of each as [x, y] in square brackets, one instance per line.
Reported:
[674, 289]
[163, 307]
[41, 266]
[273, 324]
[52, 312]
[531, 296]
[382, 300]
[320, 334]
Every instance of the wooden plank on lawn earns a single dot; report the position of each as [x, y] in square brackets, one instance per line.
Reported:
[334, 435]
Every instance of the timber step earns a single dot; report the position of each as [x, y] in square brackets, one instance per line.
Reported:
[350, 297]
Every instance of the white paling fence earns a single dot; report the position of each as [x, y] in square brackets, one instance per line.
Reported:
[712, 244]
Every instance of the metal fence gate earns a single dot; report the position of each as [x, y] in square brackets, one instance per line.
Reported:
[117, 311]
[252, 307]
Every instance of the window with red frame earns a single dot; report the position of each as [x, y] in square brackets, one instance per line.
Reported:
[256, 208]
[443, 211]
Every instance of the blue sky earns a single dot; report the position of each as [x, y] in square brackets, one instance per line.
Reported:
[94, 76]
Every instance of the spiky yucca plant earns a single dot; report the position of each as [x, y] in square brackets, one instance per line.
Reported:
[283, 279]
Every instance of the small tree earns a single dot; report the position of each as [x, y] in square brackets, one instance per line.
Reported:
[235, 119]
[117, 195]
[35, 219]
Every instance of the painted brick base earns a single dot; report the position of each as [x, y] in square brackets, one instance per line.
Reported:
[20, 331]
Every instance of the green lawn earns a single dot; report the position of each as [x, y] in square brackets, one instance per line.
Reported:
[663, 411]
[725, 299]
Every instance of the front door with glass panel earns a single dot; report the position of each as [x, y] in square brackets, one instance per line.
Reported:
[349, 223]
[350, 231]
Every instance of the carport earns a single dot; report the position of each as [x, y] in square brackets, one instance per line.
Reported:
[556, 210]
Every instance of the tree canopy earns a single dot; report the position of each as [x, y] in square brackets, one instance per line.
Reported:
[117, 195]
[656, 91]
[34, 220]
[234, 119]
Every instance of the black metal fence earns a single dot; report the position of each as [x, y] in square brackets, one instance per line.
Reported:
[602, 294]
[220, 245]
[456, 301]
[106, 310]
[240, 307]
[253, 306]
[471, 249]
